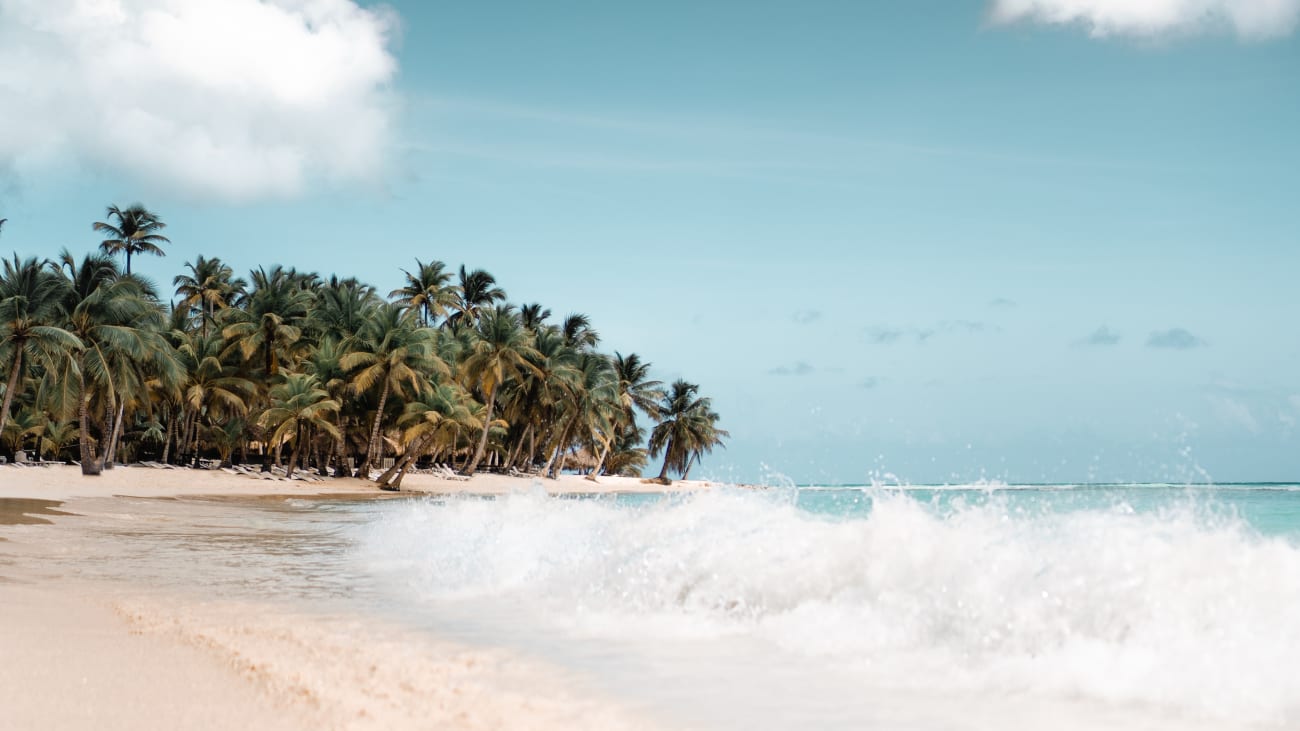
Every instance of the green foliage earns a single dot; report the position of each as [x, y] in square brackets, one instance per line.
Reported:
[91, 355]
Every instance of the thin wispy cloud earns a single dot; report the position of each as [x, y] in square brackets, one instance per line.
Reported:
[798, 369]
[1002, 302]
[883, 335]
[1248, 19]
[807, 317]
[233, 100]
[1174, 339]
[1101, 336]
[869, 383]
[880, 335]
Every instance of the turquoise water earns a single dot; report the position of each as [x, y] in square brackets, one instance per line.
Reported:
[1272, 509]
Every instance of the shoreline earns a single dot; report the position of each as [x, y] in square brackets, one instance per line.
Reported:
[62, 482]
[87, 652]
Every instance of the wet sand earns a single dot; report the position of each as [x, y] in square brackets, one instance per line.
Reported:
[82, 652]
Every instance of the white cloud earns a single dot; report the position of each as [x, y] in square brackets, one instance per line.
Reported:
[1250, 19]
[234, 99]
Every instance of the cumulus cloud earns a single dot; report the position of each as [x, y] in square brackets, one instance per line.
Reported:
[1174, 339]
[798, 369]
[1249, 19]
[237, 99]
[1101, 336]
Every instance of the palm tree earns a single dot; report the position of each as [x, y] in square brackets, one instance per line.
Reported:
[441, 414]
[477, 292]
[119, 323]
[391, 354]
[687, 428]
[591, 408]
[31, 298]
[299, 406]
[210, 287]
[502, 350]
[579, 333]
[533, 316]
[135, 231]
[427, 291]
[270, 322]
[213, 390]
[635, 391]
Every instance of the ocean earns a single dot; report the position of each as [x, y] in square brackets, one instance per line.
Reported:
[964, 607]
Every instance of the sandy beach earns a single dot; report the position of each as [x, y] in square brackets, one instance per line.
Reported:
[85, 653]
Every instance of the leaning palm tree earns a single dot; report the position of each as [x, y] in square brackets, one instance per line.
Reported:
[299, 407]
[687, 427]
[501, 351]
[133, 230]
[427, 291]
[392, 355]
[31, 299]
[434, 421]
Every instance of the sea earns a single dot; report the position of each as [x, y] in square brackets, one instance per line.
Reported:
[1145, 606]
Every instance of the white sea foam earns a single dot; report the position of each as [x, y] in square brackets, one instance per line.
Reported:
[1174, 610]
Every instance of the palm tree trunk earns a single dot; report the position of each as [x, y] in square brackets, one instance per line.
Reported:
[297, 450]
[559, 448]
[364, 471]
[11, 388]
[482, 441]
[600, 463]
[400, 467]
[663, 474]
[128, 260]
[689, 464]
[519, 447]
[116, 437]
[167, 441]
[88, 465]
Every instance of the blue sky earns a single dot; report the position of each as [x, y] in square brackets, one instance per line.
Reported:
[1032, 240]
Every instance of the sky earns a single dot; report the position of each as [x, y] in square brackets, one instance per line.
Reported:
[918, 241]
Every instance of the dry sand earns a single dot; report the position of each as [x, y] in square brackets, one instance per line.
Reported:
[83, 654]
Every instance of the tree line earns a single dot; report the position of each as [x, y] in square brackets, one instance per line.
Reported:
[290, 369]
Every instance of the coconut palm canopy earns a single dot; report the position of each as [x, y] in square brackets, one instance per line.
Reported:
[289, 368]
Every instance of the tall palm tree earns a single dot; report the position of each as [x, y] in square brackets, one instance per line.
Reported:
[476, 292]
[579, 333]
[393, 355]
[502, 350]
[31, 299]
[270, 322]
[213, 391]
[591, 410]
[133, 230]
[635, 391]
[533, 316]
[687, 428]
[341, 308]
[427, 291]
[119, 324]
[299, 406]
[209, 288]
